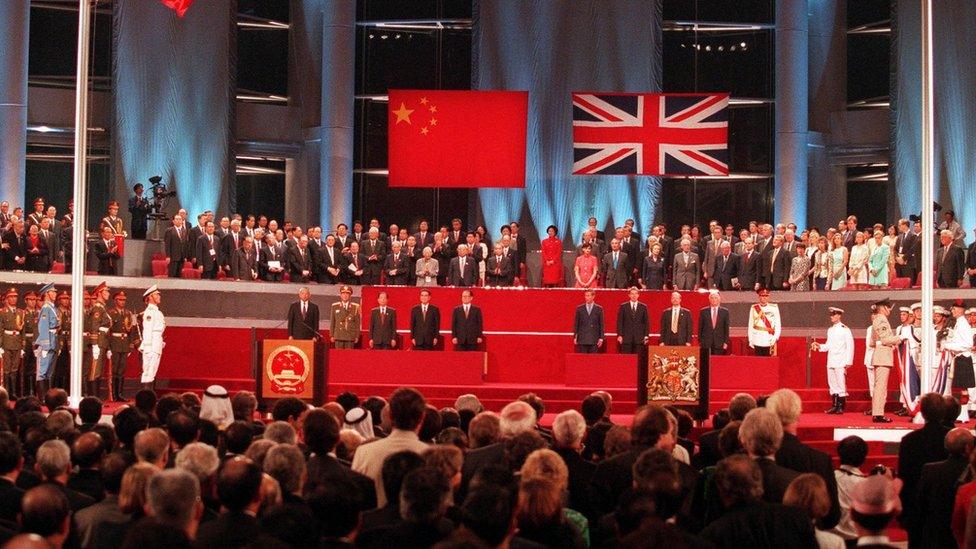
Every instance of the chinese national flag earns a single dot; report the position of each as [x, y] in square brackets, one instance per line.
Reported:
[457, 138]
[180, 6]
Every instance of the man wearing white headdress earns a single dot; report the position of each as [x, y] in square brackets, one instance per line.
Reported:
[216, 406]
[359, 420]
[153, 326]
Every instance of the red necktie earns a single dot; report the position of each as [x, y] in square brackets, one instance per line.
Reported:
[714, 317]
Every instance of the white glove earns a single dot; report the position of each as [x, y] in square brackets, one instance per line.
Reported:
[22, 353]
[43, 354]
[108, 355]
[96, 352]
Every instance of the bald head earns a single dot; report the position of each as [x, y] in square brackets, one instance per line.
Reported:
[88, 450]
[44, 511]
[959, 442]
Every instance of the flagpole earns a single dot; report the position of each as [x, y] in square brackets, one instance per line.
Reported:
[80, 200]
[928, 183]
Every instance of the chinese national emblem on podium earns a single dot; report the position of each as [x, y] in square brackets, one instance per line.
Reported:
[287, 369]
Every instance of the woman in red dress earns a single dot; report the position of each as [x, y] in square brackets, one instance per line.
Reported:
[587, 267]
[552, 259]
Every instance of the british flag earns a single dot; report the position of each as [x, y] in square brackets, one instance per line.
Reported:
[657, 134]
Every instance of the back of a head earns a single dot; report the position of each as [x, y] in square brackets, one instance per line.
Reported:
[198, 459]
[720, 419]
[60, 423]
[172, 495]
[739, 480]
[53, 459]
[424, 496]
[786, 404]
[740, 405]
[320, 431]
[112, 470]
[348, 400]
[761, 432]
[166, 405]
[449, 418]
[959, 442]
[852, 450]
[10, 452]
[238, 483]
[407, 408]
[447, 459]
[616, 441]
[286, 464]
[44, 511]
[395, 468]
[484, 429]
[933, 407]
[145, 401]
[453, 436]
[518, 448]
[132, 493]
[258, 449]
[430, 425]
[536, 403]
[55, 398]
[516, 417]
[90, 410]
[336, 505]
[128, 422]
[288, 409]
[728, 439]
[238, 436]
[540, 503]
[244, 404]
[488, 513]
[280, 432]
[650, 423]
[151, 445]
[568, 429]
[544, 463]
[183, 427]
[87, 450]
[808, 492]
[593, 408]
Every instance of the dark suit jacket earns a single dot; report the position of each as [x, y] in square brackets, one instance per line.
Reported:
[683, 337]
[227, 248]
[708, 451]
[367, 247]
[619, 277]
[580, 475]
[10, 496]
[748, 270]
[654, 273]
[402, 265]
[106, 258]
[952, 268]
[713, 338]
[466, 330]
[588, 327]
[382, 330]
[799, 457]
[925, 445]
[632, 326]
[936, 498]
[476, 460]
[230, 529]
[611, 478]
[176, 247]
[323, 468]
[499, 271]
[773, 276]
[303, 328]
[204, 259]
[762, 524]
[349, 276]
[424, 331]
[326, 261]
[243, 264]
[298, 262]
[426, 240]
[776, 479]
[267, 254]
[725, 270]
[469, 277]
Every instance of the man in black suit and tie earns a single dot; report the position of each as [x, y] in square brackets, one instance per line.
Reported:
[713, 325]
[12, 460]
[244, 266]
[903, 250]
[342, 237]
[632, 324]
[467, 326]
[588, 325]
[303, 317]
[949, 261]
[174, 242]
[498, 268]
[615, 264]
[107, 252]
[424, 236]
[747, 270]
[382, 325]
[236, 526]
[937, 489]
[229, 244]
[851, 232]
[397, 266]
[761, 434]
[775, 272]
[463, 270]
[375, 251]
[726, 267]
[207, 250]
[918, 447]
[329, 258]
[676, 323]
[299, 263]
[520, 245]
[425, 324]
[591, 224]
[271, 261]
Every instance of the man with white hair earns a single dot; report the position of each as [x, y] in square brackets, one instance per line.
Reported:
[173, 499]
[568, 430]
[463, 270]
[216, 406]
[375, 251]
[949, 261]
[280, 432]
[286, 464]
[201, 461]
[516, 418]
[53, 465]
[799, 457]
[761, 434]
[152, 446]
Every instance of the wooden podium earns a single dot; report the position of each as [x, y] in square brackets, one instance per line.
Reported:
[291, 368]
[674, 376]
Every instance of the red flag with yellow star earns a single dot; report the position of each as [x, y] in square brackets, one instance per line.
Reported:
[441, 138]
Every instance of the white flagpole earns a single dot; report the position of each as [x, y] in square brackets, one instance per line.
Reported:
[80, 199]
[928, 183]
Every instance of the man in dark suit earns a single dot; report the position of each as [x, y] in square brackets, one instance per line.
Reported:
[382, 324]
[632, 324]
[15, 247]
[709, 452]
[424, 236]
[396, 267]
[775, 269]
[614, 265]
[299, 262]
[303, 317]
[498, 268]
[726, 267]
[463, 269]
[588, 325]
[194, 232]
[229, 244]
[375, 251]
[244, 265]
[918, 447]
[949, 261]
[713, 325]
[761, 434]
[937, 489]
[271, 260]
[329, 258]
[747, 271]
[11, 462]
[174, 242]
[467, 326]
[676, 323]
[107, 252]
[207, 252]
[521, 248]
[238, 485]
[425, 323]
[903, 250]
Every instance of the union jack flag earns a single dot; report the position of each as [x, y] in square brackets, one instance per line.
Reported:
[650, 134]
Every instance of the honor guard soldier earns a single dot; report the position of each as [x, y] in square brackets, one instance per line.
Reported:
[153, 326]
[97, 324]
[31, 312]
[112, 220]
[59, 378]
[119, 344]
[883, 342]
[35, 217]
[46, 343]
[346, 320]
[765, 325]
[12, 321]
[840, 356]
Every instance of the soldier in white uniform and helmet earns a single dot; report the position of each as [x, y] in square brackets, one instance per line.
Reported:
[840, 356]
[765, 325]
[153, 326]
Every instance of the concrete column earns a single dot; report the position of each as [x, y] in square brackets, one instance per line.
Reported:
[338, 110]
[14, 39]
[792, 37]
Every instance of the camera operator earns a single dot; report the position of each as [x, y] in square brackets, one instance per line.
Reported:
[139, 207]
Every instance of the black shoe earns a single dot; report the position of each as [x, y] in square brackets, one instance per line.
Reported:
[882, 419]
[903, 412]
[841, 403]
[833, 407]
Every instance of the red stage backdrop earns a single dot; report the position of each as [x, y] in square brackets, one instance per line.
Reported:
[457, 138]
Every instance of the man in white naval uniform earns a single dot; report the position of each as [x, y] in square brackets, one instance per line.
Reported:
[153, 326]
[765, 325]
[840, 356]
[960, 344]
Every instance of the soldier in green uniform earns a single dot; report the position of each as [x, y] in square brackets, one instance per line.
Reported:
[346, 322]
[120, 344]
[63, 362]
[12, 341]
[97, 324]
[31, 310]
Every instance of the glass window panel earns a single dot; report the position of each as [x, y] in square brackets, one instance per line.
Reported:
[396, 59]
[690, 202]
[751, 139]
[276, 10]
[864, 12]
[374, 198]
[262, 63]
[738, 62]
[757, 11]
[371, 128]
[53, 45]
[868, 66]
[261, 194]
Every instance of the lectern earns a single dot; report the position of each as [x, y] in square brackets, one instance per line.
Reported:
[290, 368]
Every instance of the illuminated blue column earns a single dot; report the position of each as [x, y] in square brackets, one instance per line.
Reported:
[792, 57]
[338, 106]
[14, 38]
